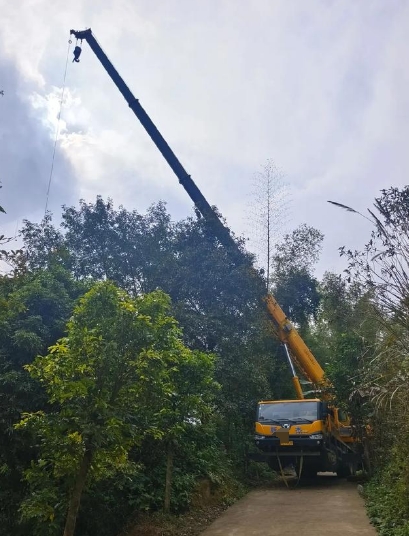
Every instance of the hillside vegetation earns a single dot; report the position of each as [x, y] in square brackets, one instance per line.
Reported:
[134, 350]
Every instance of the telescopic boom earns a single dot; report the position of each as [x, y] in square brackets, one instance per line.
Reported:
[185, 179]
[285, 330]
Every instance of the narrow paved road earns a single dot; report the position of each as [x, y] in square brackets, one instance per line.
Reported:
[323, 506]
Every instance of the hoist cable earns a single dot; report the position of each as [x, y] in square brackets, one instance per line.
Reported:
[57, 132]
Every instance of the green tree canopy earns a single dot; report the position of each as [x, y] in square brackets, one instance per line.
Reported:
[294, 285]
[34, 308]
[216, 296]
[108, 384]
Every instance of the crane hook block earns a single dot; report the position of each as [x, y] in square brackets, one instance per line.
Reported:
[77, 54]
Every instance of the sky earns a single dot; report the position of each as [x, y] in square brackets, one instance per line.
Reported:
[319, 87]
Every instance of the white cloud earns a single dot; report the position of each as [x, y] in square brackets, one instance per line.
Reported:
[321, 87]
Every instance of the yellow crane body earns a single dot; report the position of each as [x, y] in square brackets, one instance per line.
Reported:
[308, 433]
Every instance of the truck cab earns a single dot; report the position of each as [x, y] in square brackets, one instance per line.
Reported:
[305, 421]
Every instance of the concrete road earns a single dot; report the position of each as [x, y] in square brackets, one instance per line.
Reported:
[323, 506]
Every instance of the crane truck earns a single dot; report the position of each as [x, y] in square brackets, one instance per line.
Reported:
[310, 433]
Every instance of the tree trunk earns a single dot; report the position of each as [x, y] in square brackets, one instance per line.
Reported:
[169, 473]
[74, 504]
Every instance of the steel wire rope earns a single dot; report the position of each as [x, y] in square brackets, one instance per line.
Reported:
[57, 132]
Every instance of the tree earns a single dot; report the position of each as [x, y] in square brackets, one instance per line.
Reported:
[98, 242]
[217, 300]
[268, 212]
[107, 383]
[216, 297]
[384, 263]
[187, 408]
[382, 268]
[295, 287]
[300, 249]
[34, 308]
[343, 334]
[43, 244]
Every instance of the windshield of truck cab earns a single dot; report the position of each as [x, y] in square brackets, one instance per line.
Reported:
[298, 412]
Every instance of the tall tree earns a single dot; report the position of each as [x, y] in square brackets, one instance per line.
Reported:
[295, 286]
[34, 309]
[382, 269]
[215, 296]
[344, 333]
[188, 407]
[383, 265]
[212, 293]
[107, 382]
[268, 213]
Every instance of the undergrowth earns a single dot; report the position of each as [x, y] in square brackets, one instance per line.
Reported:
[387, 498]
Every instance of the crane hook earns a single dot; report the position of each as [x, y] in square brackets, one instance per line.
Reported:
[77, 54]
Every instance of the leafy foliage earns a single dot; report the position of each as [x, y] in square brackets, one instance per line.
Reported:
[33, 312]
[384, 263]
[121, 374]
[215, 296]
[185, 427]
[301, 248]
[294, 286]
[382, 271]
[386, 498]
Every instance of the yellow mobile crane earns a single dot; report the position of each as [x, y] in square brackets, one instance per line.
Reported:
[309, 433]
[305, 432]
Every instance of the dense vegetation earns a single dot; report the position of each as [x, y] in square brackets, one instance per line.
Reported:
[155, 347]
[182, 415]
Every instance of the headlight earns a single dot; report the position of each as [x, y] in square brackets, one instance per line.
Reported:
[316, 436]
[259, 436]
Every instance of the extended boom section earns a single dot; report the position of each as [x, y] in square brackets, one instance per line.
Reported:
[184, 178]
[301, 354]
